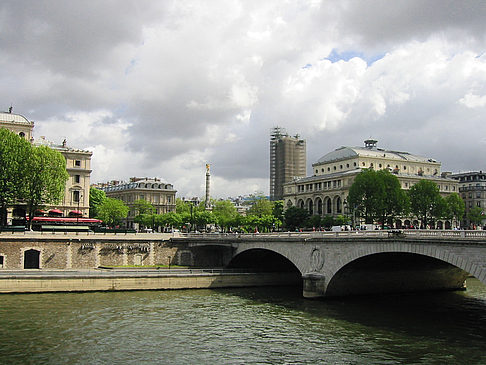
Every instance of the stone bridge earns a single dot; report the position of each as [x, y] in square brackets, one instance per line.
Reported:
[356, 263]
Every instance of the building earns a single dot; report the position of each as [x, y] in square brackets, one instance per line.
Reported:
[326, 191]
[161, 195]
[78, 165]
[472, 189]
[17, 123]
[287, 160]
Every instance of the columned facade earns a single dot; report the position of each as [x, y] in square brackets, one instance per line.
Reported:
[325, 193]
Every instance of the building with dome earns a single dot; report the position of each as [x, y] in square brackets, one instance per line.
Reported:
[326, 191]
[78, 165]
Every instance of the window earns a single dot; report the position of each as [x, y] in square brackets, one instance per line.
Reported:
[334, 168]
[347, 165]
[77, 163]
[77, 178]
[478, 195]
[76, 196]
[478, 204]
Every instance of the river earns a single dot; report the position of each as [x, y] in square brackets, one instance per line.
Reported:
[242, 326]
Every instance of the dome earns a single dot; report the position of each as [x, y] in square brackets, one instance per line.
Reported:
[15, 118]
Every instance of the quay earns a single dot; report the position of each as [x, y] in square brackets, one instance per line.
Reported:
[43, 281]
[326, 264]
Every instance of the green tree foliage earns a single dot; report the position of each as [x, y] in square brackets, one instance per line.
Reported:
[170, 219]
[14, 154]
[327, 221]
[314, 221]
[475, 215]
[295, 218]
[455, 207]
[225, 213]
[366, 194]
[143, 207]
[261, 207]
[183, 206]
[395, 201]
[426, 202]
[46, 178]
[377, 196]
[278, 210]
[112, 211]
[203, 218]
[96, 198]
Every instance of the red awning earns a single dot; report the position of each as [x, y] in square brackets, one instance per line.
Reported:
[75, 212]
[55, 211]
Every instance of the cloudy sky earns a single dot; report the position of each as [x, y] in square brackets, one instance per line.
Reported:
[160, 88]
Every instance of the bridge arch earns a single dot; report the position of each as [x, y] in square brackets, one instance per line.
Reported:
[413, 269]
[266, 257]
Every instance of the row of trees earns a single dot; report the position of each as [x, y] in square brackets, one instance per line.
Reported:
[33, 175]
[377, 197]
[263, 215]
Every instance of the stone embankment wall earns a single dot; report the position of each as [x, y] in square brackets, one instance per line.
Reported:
[84, 252]
[42, 284]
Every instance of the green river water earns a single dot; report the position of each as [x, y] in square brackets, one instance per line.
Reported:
[242, 326]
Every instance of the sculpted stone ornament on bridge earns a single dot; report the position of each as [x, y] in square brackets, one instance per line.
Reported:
[314, 282]
[316, 260]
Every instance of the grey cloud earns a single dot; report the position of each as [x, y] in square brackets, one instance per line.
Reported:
[380, 23]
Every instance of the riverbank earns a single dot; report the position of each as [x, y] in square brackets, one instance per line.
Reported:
[41, 281]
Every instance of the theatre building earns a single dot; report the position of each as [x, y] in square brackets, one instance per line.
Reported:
[326, 191]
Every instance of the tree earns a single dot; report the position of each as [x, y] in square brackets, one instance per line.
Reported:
[314, 221]
[475, 215]
[225, 213]
[143, 207]
[366, 195]
[425, 201]
[395, 201]
[170, 219]
[96, 198]
[261, 207]
[278, 210]
[46, 178]
[14, 154]
[112, 211]
[295, 217]
[455, 207]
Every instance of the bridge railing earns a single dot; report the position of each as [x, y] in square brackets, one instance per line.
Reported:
[343, 234]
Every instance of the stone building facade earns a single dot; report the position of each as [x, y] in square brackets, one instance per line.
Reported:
[472, 189]
[325, 192]
[87, 252]
[161, 195]
[78, 166]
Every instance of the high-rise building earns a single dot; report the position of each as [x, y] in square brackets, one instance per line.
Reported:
[287, 160]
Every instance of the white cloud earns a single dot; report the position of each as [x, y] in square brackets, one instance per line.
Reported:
[163, 88]
[473, 101]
